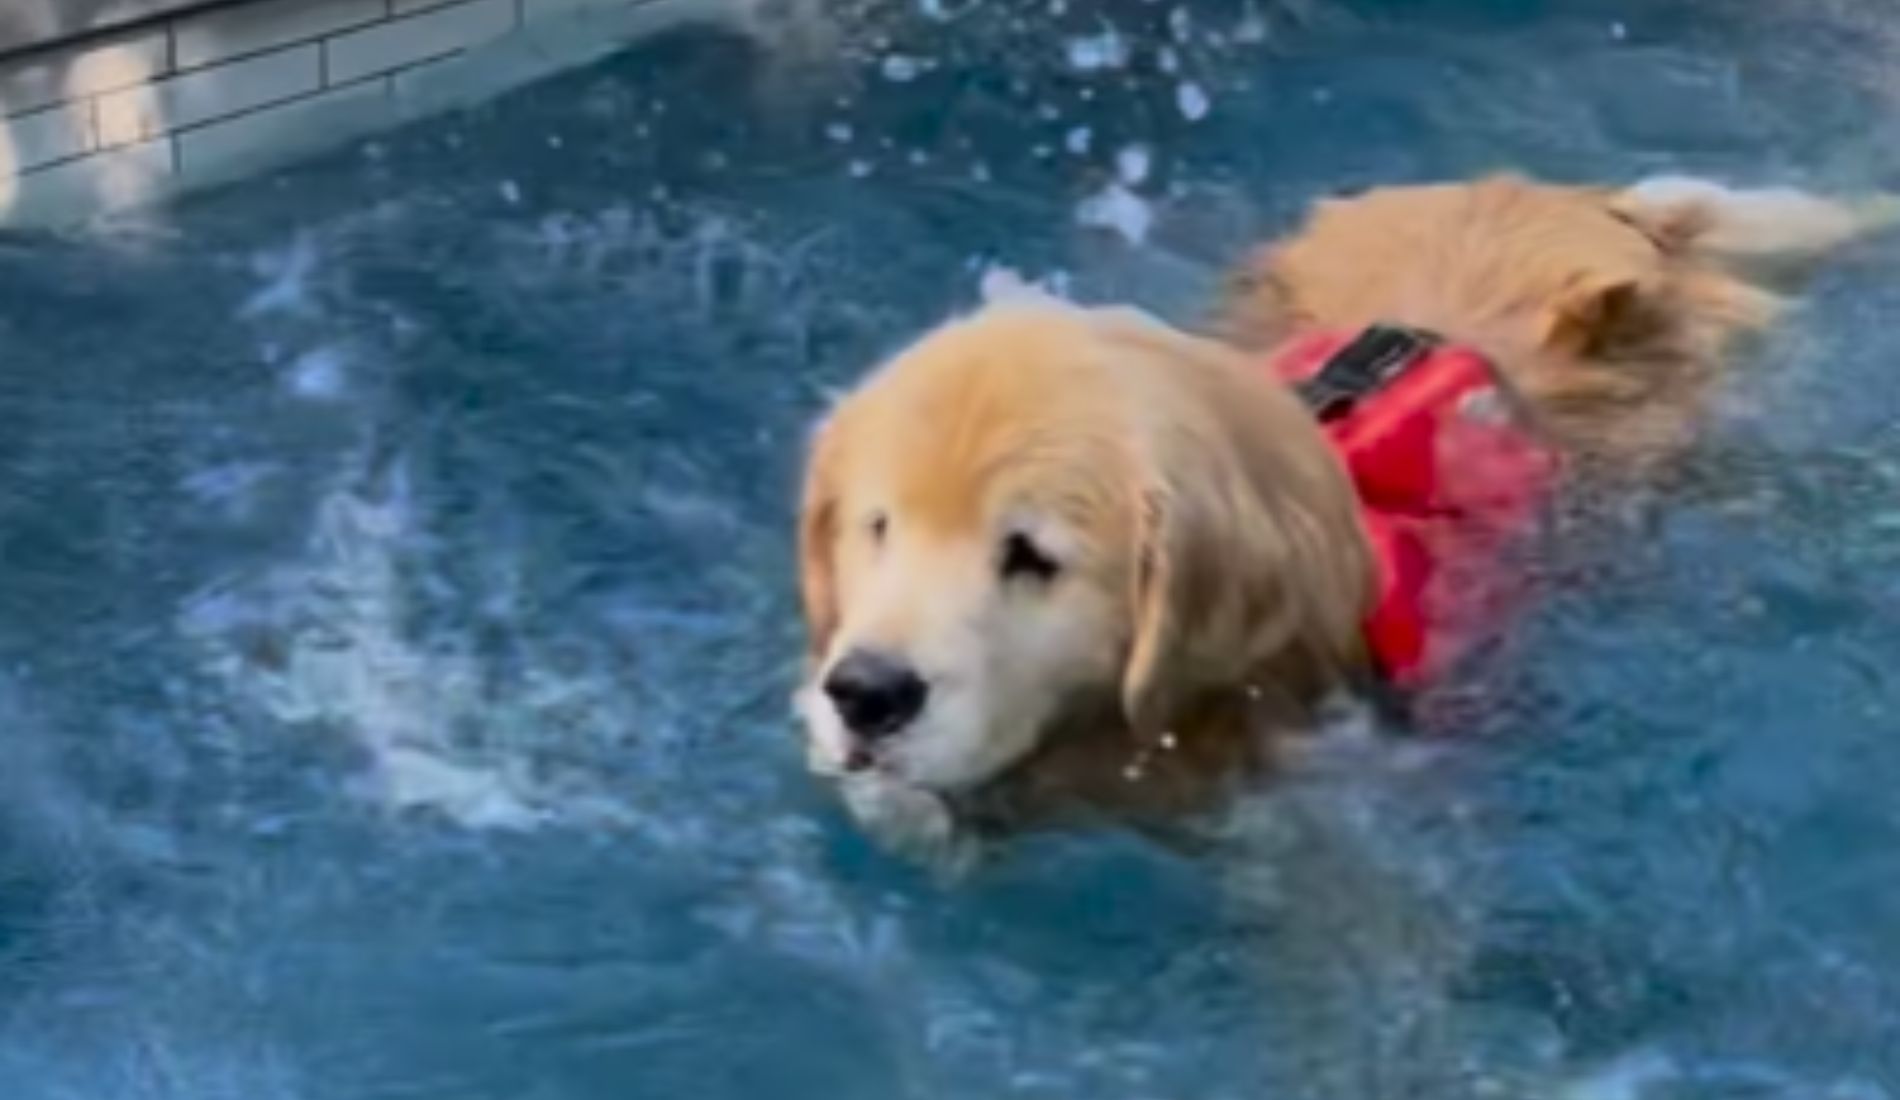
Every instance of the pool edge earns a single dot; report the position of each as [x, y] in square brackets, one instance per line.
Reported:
[153, 112]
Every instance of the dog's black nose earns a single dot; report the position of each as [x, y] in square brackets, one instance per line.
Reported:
[875, 694]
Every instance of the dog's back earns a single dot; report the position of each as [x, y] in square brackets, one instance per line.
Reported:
[1609, 311]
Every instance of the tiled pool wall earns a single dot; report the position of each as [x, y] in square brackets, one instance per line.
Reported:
[110, 105]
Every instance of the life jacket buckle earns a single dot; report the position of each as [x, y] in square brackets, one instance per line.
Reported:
[1372, 359]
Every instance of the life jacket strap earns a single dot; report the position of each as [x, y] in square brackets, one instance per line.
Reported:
[1357, 370]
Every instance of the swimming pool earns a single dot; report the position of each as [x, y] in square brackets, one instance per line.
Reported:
[396, 630]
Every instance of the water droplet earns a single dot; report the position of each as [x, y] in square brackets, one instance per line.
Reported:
[1191, 100]
[899, 68]
[1180, 24]
[1132, 164]
[1118, 209]
[1093, 53]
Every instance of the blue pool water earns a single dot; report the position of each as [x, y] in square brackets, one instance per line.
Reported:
[396, 632]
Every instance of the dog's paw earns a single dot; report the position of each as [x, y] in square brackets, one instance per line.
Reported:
[910, 822]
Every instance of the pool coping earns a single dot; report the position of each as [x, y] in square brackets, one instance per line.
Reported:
[193, 94]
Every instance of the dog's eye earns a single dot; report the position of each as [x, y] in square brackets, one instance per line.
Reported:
[1023, 559]
[878, 525]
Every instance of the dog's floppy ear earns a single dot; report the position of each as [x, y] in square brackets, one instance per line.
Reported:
[1176, 605]
[1249, 564]
[818, 538]
[1593, 312]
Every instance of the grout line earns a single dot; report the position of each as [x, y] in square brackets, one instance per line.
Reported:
[80, 39]
[323, 37]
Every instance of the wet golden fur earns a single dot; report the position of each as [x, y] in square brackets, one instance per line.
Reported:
[1608, 316]
[1212, 574]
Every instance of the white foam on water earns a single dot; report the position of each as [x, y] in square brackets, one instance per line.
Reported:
[324, 641]
[901, 68]
[1119, 210]
[358, 633]
[839, 132]
[510, 192]
[286, 273]
[1627, 1078]
[1078, 140]
[231, 488]
[362, 676]
[1132, 165]
[996, 283]
[1098, 52]
[319, 375]
[1650, 1072]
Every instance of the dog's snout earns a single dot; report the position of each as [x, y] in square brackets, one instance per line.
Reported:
[876, 694]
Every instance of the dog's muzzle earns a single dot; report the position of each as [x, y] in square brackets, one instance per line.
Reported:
[876, 695]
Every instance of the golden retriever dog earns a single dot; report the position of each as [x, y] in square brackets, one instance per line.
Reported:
[1057, 558]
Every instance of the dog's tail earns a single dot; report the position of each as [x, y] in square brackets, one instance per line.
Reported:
[1752, 224]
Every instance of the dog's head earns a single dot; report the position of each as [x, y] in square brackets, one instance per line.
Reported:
[1043, 511]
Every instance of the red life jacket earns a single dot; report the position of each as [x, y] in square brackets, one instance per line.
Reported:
[1449, 480]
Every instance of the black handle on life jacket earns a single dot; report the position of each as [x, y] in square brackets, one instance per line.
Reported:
[1373, 358]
